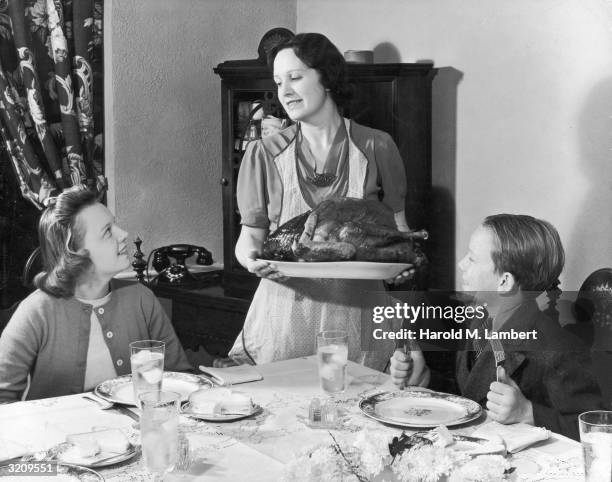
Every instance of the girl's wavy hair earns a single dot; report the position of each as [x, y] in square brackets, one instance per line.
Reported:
[528, 248]
[63, 259]
[319, 53]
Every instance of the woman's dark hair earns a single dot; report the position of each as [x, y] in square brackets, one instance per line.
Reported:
[319, 53]
[528, 248]
[60, 242]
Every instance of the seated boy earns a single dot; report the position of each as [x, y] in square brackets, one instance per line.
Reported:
[545, 380]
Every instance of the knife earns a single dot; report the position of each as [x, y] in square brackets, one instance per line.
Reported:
[212, 377]
[125, 411]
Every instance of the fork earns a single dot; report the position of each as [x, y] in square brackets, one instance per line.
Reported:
[500, 356]
[106, 405]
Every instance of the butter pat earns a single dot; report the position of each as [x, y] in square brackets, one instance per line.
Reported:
[111, 440]
[206, 407]
[237, 403]
[220, 401]
[83, 449]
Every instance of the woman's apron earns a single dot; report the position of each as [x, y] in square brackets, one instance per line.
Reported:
[285, 317]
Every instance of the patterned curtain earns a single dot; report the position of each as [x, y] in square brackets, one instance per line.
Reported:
[51, 105]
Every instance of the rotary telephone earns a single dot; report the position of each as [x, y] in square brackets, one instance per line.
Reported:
[176, 273]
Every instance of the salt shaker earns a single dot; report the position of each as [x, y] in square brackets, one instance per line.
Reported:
[314, 411]
[329, 414]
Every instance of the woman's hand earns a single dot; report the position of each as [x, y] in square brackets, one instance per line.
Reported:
[405, 275]
[410, 271]
[409, 369]
[263, 268]
[248, 249]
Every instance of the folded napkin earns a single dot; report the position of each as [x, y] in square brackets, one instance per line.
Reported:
[232, 375]
[517, 436]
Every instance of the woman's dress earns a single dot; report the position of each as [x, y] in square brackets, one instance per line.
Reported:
[285, 317]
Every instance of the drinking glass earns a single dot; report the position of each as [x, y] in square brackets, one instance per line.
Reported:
[159, 432]
[147, 360]
[596, 439]
[332, 354]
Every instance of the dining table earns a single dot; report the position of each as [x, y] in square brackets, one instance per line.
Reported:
[258, 448]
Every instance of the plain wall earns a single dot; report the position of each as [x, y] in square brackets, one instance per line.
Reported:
[163, 110]
[522, 106]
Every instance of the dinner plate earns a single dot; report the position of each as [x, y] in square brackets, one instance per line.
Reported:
[339, 269]
[121, 390]
[228, 417]
[415, 408]
[65, 472]
[103, 459]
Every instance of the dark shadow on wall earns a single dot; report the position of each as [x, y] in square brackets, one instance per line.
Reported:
[589, 246]
[444, 175]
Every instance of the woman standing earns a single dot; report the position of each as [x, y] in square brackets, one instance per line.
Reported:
[73, 332]
[322, 155]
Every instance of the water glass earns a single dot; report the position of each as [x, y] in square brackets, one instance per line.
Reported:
[147, 360]
[596, 439]
[332, 355]
[159, 431]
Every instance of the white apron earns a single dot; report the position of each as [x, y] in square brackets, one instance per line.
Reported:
[284, 318]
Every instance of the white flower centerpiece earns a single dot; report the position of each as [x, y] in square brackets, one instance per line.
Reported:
[372, 456]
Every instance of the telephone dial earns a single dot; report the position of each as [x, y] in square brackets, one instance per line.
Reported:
[177, 273]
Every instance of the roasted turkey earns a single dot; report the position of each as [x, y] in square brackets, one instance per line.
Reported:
[344, 229]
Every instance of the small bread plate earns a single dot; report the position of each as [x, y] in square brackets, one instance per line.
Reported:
[64, 472]
[121, 390]
[67, 455]
[186, 409]
[416, 408]
[339, 269]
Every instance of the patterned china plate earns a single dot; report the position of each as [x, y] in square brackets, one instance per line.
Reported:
[103, 459]
[339, 269]
[65, 472]
[121, 390]
[229, 417]
[415, 408]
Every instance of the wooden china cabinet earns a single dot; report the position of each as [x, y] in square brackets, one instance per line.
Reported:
[395, 98]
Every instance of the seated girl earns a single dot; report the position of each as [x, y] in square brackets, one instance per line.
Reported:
[73, 331]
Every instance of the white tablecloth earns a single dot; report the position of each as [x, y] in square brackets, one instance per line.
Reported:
[257, 448]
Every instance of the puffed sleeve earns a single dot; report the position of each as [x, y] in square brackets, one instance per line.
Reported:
[391, 172]
[252, 188]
